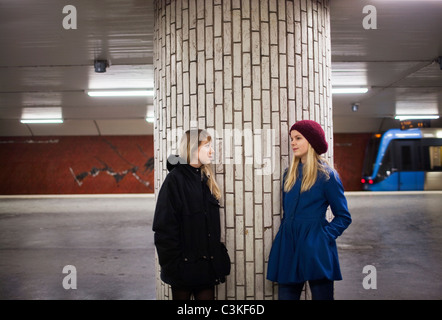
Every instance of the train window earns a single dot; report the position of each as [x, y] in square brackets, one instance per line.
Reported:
[432, 154]
[387, 165]
[370, 155]
[435, 155]
[406, 158]
[407, 155]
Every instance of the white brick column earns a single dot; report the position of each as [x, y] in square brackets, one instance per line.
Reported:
[245, 70]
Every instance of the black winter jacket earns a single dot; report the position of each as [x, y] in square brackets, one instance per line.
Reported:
[187, 229]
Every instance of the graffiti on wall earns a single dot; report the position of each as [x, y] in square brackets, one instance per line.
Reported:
[77, 165]
[132, 169]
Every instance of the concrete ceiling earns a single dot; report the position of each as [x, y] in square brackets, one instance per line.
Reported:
[45, 67]
[396, 62]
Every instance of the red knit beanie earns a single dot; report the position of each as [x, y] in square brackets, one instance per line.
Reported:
[314, 134]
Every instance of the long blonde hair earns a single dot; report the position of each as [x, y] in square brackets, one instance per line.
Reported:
[312, 166]
[189, 144]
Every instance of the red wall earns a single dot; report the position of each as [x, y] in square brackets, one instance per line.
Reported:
[117, 164]
[76, 165]
[349, 152]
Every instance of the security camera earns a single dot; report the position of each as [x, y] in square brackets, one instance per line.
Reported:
[100, 65]
[354, 107]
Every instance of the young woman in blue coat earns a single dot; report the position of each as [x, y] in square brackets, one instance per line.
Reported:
[304, 248]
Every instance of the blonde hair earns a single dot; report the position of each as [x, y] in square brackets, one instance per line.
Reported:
[189, 144]
[312, 166]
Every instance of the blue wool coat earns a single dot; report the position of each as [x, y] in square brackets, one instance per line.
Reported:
[305, 245]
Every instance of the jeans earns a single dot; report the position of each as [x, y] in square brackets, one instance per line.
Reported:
[320, 289]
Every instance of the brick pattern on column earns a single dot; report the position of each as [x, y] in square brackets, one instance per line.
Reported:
[245, 70]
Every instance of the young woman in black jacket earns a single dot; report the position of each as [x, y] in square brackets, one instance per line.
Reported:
[187, 222]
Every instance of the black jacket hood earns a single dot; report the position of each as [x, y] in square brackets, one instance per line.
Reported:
[173, 161]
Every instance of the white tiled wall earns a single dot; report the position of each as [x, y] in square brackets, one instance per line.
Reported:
[245, 70]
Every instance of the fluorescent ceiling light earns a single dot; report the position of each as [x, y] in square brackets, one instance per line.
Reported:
[150, 117]
[121, 93]
[42, 115]
[349, 90]
[41, 120]
[416, 117]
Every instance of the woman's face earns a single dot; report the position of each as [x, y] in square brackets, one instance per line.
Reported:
[299, 145]
[205, 152]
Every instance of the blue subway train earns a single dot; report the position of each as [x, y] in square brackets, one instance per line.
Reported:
[401, 160]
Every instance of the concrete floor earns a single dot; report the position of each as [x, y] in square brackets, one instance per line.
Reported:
[400, 234]
[109, 241]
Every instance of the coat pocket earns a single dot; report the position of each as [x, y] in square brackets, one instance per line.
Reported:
[196, 273]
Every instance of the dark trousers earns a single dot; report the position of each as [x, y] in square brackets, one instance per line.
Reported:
[198, 294]
[320, 289]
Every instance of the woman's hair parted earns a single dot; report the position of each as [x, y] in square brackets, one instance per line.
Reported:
[313, 164]
[189, 144]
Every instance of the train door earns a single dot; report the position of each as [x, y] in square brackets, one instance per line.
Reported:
[410, 177]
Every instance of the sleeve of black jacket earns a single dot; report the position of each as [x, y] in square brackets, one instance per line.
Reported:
[166, 226]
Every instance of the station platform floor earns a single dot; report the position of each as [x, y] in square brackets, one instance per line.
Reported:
[109, 241]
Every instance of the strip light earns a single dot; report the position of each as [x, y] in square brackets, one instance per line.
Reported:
[349, 90]
[41, 120]
[120, 93]
[416, 117]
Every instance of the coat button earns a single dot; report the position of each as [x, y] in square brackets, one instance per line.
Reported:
[185, 259]
[204, 257]
[211, 257]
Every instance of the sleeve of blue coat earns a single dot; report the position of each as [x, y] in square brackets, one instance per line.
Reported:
[334, 192]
